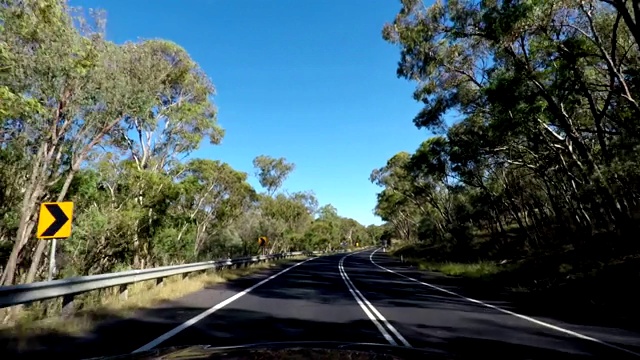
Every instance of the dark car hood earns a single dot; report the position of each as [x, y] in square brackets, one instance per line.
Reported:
[285, 351]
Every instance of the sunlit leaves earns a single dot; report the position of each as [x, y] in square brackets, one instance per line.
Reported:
[272, 172]
[111, 127]
[545, 116]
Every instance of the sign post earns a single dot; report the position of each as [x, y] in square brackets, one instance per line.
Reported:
[52, 260]
[54, 223]
[262, 242]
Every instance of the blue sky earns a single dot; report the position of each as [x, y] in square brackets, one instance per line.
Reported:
[308, 80]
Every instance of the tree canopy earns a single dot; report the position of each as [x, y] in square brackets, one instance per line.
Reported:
[534, 110]
[109, 127]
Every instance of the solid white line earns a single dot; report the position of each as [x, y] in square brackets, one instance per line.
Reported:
[364, 303]
[210, 311]
[377, 313]
[382, 330]
[524, 317]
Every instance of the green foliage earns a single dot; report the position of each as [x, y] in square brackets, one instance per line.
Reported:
[543, 153]
[272, 172]
[108, 127]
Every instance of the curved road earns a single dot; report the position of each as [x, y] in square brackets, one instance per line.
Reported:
[360, 297]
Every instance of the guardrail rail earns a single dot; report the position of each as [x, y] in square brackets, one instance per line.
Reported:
[71, 287]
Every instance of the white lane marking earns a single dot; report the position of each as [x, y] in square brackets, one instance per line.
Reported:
[210, 311]
[524, 317]
[382, 330]
[376, 312]
[364, 303]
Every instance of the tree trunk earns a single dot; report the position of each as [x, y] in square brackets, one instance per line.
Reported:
[29, 199]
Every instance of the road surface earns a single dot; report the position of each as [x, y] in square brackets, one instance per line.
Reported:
[360, 297]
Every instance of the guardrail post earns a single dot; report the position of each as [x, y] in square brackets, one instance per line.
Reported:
[159, 281]
[67, 305]
[124, 291]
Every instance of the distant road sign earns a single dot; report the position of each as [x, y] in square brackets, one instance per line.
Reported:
[263, 241]
[55, 220]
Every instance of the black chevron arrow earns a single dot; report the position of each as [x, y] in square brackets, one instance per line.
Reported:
[60, 217]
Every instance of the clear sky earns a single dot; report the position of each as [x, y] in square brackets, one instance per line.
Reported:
[308, 80]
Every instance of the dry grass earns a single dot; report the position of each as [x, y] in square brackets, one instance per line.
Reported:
[473, 270]
[106, 304]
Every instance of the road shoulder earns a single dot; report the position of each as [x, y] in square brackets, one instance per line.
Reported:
[450, 287]
[115, 334]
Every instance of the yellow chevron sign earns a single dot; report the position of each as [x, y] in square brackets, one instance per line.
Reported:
[263, 241]
[55, 220]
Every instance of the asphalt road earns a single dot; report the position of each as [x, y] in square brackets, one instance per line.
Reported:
[362, 297]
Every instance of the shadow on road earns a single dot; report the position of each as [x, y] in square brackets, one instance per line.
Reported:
[311, 303]
[548, 306]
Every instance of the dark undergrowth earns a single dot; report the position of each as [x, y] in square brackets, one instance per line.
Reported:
[598, 279]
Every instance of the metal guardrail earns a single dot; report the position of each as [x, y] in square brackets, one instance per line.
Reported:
[68, 288]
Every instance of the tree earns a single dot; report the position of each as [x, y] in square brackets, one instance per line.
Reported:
[545, 96]
[272, 172]
[214, 195]
[109, 127]
[69, 90]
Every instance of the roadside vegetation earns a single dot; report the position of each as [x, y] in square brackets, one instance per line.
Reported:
[140, 295]
[530, 181]
[106, 305]
[112, 127]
